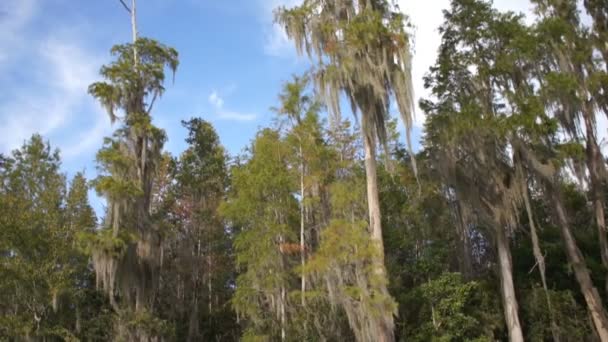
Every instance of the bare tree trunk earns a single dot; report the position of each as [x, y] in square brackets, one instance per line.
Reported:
[509, 299]
[466, 264]
[575, 257]
[302, 225]
[115, 218]
[373, 201]
[209, 284]
[138, 299]
[134, 30]
[283, 297]
[283, 320]
[540, 260]
[595, 166]
[193, 329]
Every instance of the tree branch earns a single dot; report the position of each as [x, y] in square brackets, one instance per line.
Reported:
[152, 102]
[125, 6]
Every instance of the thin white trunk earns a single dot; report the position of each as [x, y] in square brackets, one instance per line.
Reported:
[595, 165]
[575, 257]
[540, 260]
[507, 288]
[282, 290]
[283, 334]
[144, 150]
[134, 30]
[581, 272]
[302, 224]
[373, 199]
[385, 320]
[209, 284]
[115, 218]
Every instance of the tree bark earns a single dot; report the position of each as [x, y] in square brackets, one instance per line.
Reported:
[595, 166]
[134, 30]
[540, 261]
[302, 225]
[581, 272]
[466, 262]
[373, 201]
[575, 257]
[509, 299]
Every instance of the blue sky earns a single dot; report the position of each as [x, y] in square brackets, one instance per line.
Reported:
[233, 61]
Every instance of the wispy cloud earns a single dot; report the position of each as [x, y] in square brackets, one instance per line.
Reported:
[236, 116]
[14, 17]
[426, 20]
[276, 42]
[217, 102]
[46, 77]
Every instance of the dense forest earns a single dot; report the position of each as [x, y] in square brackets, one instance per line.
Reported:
[331, 226]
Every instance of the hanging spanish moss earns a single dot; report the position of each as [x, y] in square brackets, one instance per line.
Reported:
[126, 254]
[360, 49]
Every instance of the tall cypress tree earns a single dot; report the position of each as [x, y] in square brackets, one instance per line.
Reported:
[360, 49]
[126, 254]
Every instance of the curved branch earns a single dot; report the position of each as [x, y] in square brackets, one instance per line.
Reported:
[125, 6]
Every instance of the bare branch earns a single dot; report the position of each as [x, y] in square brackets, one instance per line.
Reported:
[125, 6]
[152, 102]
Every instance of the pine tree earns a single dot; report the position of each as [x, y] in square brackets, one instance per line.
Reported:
[198, 270]
[42, 269]
[262, 206]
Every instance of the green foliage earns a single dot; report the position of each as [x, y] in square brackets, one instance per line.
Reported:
[361, 50]
[449, 298]
[569, 315]
[198, 270]
[142, 325]
[127, 251]
[344, 260]
[275, 244]
[127, 85]
[45, 276]
[261, 204]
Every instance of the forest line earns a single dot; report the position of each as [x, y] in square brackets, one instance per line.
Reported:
[328, 227]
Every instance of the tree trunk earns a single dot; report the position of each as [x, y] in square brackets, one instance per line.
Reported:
[577, 261]
[540, 261]
[595, 166]
[507, 288]
[283, 319]
[575, 257]
[302, 226]
[134, 30]
[466, 262]
[209, 284]
[115, 218]
[193, 324]
[282, 294]
[373, 201]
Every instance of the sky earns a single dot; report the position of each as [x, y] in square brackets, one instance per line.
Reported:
[233, 61]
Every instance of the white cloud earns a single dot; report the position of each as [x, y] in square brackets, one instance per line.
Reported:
[14, 16]
[46, 78]
[427, 16]
[217, 102]
[90, 138]
[235, 116]
[276, 43]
